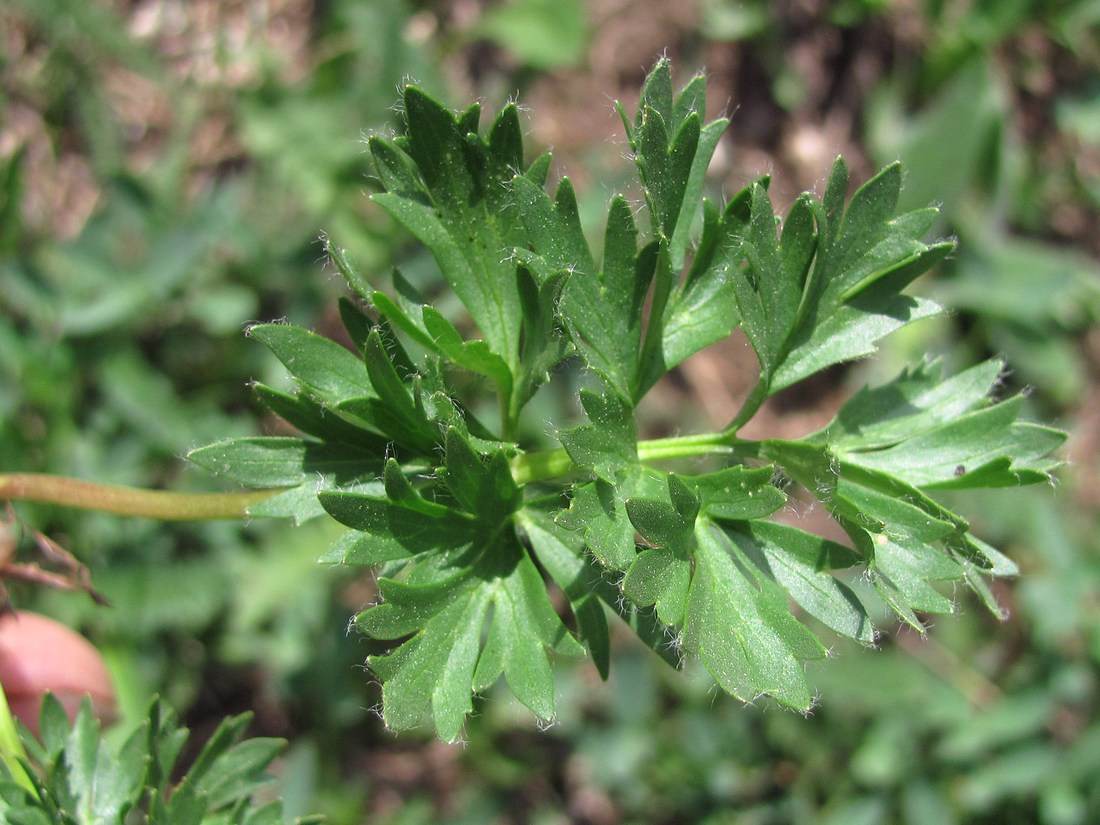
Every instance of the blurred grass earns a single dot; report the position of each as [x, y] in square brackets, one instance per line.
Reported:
[166, 169]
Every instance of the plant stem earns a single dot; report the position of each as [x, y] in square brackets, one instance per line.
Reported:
[128, 501]
[684, 446]
[543, 465]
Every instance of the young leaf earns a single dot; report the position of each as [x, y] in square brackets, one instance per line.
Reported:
[673, 150]
[385, 530]
[399, 410]
[543, 346]
[315, 419]
[865, 256]
[429, 328]
[769, 291]
[482, 485]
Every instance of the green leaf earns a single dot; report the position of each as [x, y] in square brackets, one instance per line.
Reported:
[744, 634]
[433, 673]
[673, 150]
[903, 570]
[298, 503]
[606, 444]
[560, 553]
[603, 312]
[343, 265]
[467, 219]
[769, 291]
[986, 447]
[81, 777]
[829, 289]
[475, 524]
[597, 512]
[390, 529]
[357, 323]
[851, 331]
[543, 344]
[918, 400]
[660, 577]
[104, 786]
[238, 772]
[703, 308]
[553, 227]
[668, 521]
[434, 332]
[283, 462]
[523, 614]
[481, 484]
[399, 410]
[802, 564]
[327, 371]
[564, 557]
[709, 136]
[879, 509]
[302, 412]
[736, 493]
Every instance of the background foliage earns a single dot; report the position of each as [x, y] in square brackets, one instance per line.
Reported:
[167, 168]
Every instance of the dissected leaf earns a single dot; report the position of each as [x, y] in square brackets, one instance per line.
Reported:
[745, 635]
[988, 448]
[433, 673]
[471, 518]
[462, 213]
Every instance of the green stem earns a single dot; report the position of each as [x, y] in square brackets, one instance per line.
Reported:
[167, 506]
[128, 501]
[544, 465]
[658, 449]
[541, 466]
